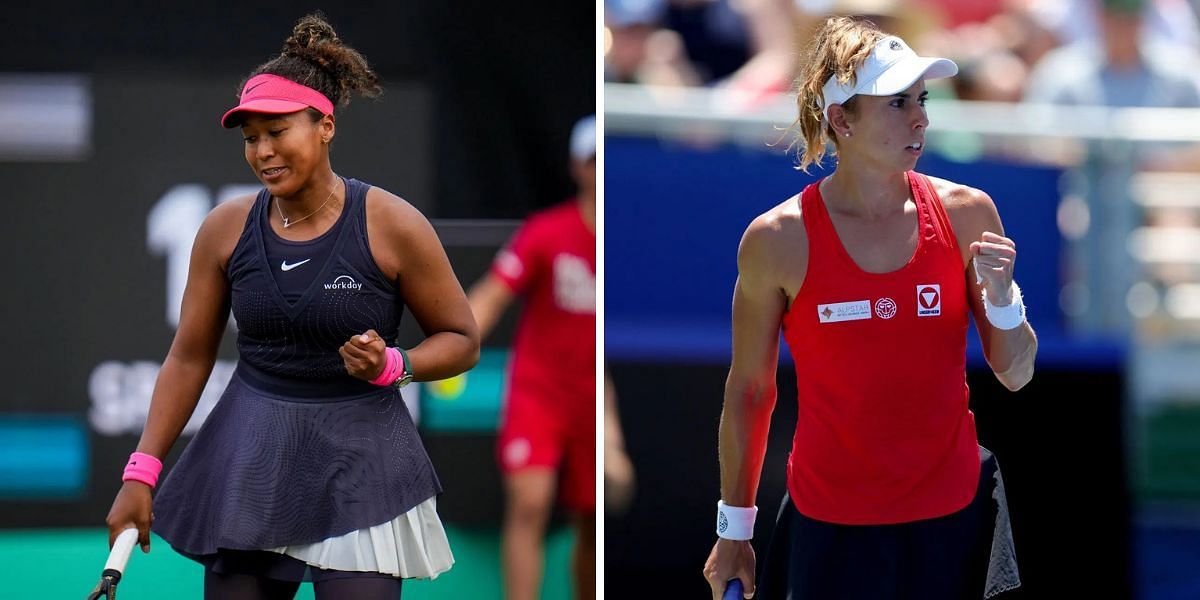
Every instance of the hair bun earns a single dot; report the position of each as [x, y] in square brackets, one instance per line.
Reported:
[315, 56]
[311, 32]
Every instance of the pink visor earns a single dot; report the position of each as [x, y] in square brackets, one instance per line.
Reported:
[275, 95]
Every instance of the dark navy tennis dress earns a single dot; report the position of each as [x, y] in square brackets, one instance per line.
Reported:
[299, 457]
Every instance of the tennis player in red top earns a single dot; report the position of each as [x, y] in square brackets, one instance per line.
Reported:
[548, 435]
[871, 274]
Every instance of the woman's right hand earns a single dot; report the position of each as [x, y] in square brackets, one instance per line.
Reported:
[730, 559]
[131, 508]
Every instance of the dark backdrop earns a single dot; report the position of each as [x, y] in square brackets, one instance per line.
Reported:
[506, 80]
[478, 104]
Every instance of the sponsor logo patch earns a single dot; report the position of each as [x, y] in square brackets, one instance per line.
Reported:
[844, 311]
[885, 308]
[285, 267]
[929, 300]
[343, 282]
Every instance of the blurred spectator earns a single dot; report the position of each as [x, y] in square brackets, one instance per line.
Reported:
[1120, 69]
[772, 27]
[639, 50]
[955, 13]
[1074, 21]
[714, 35]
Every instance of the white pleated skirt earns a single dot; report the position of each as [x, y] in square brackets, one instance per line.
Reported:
[413, 545]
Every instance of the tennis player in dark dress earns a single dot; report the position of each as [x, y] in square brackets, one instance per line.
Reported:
[309, 467]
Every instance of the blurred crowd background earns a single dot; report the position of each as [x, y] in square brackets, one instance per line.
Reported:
[1077, 116]
[1007, 50]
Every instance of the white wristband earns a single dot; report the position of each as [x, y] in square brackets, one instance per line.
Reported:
[1006, 317]
[735, 522]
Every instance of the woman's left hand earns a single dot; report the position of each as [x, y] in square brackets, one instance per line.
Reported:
[365, 355]
[994, 256]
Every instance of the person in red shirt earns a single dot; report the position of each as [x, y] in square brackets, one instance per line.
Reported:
[871, 274]
[548, 432]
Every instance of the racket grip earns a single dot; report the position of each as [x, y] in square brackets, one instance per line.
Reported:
[121, 550]
[733, 590]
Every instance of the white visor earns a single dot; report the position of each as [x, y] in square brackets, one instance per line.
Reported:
[583, 139]
[891, 68]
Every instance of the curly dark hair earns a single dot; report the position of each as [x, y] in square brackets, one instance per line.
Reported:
[315, 56]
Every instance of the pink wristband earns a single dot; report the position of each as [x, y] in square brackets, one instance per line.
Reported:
[392, 369]
[142, 467]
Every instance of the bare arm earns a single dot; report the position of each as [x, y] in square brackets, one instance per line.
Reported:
[1010, 353]
[413, 256]
[759, 302]
[202, 319]
[758, 306]
[489, 298]
[189, 362]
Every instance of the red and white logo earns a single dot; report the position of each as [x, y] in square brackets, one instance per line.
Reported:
[885, 308]
[929, 300]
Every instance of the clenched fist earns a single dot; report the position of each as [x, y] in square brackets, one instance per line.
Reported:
[994, 256]
[364, 355]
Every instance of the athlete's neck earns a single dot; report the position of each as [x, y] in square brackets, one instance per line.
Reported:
[322, 187]
[864, 193]
[315, 205]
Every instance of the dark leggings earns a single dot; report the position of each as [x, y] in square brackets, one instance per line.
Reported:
[236, 586]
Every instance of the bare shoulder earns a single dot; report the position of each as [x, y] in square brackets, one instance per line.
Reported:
[232, 213]
[959, 197]
[223, 227]
[391, 213]
[774, 247]
[773, 228]
[971, 210]
[397, 233]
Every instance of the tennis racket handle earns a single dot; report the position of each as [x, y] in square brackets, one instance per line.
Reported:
[121, 549]
[733, 590]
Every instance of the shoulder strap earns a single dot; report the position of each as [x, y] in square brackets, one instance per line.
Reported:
[816, 219]
[935, 220]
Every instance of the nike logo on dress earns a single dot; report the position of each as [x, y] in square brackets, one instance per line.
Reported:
[286, 267]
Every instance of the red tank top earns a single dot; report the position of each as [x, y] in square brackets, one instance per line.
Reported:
[884, 434]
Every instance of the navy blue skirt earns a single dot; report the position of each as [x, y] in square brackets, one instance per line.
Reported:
[964, 555]
[268, 470]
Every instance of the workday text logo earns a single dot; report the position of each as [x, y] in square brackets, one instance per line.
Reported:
[344, 282]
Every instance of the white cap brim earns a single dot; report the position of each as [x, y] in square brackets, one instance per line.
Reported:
[906, 72]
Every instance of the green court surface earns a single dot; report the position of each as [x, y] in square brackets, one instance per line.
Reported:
[66, 563]
[1169, 453]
